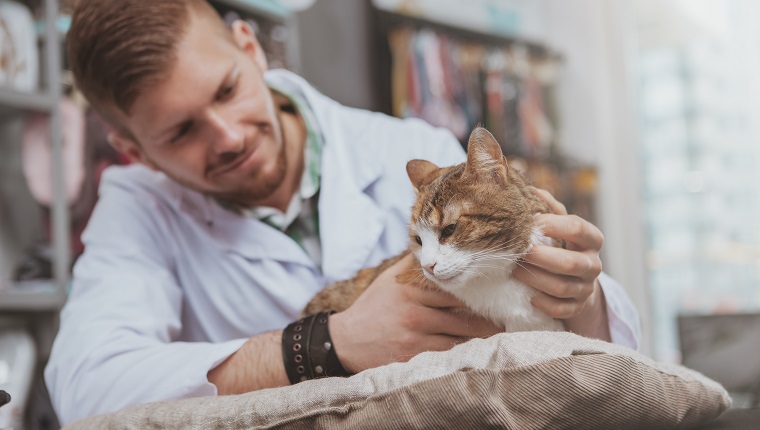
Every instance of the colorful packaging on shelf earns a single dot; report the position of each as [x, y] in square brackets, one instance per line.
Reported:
[19, 57]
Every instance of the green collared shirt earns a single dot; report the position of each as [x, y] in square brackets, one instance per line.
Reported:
[301, 220]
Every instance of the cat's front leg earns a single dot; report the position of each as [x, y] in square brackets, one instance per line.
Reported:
[340, 295]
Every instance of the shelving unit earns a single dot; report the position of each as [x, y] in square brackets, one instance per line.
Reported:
[264, 9]
[32, 296]
[475, 77]
[34, 305]
[457, 42]
[13, 102]
[281, 49]
[44, 295]
[49, 295]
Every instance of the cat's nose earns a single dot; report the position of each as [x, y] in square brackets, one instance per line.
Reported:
[429, 268]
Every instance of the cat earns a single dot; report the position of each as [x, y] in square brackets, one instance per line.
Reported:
[470, 225]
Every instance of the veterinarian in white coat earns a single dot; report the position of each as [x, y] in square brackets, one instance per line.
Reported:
[172, 284]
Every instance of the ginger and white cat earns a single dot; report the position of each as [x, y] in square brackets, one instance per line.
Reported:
[470, 225]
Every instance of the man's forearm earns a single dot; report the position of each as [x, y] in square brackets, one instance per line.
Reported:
[256, 365]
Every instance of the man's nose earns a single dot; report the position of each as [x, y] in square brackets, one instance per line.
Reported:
[228, 137]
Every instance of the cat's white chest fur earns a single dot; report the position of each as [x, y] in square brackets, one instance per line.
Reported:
[484, 283]
[506, 301]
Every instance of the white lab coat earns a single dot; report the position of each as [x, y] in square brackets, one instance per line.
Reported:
[171, 284]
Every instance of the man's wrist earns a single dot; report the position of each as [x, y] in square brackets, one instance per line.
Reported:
[593, 320]
[342, 340]
[308, 351]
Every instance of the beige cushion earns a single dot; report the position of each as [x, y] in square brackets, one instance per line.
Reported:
[536, 380]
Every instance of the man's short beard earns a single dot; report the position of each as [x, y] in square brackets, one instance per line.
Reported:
[266, 187]
[245, 196]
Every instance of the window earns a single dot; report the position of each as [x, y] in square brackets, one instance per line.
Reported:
[698, 86]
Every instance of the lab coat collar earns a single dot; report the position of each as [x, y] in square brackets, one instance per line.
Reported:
[242, 234]
[343, 137]
[350, 221]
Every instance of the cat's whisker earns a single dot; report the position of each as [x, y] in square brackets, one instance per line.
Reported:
[492, 249]
[500, 257]
[476, 273]
[509, 242]
[488, 266]
[525, 267]
[484, 262]
[496, 254]
[539, 265]
[488, 252]
[501, 245]
[507, 261]
[419, 278]
[514, 238]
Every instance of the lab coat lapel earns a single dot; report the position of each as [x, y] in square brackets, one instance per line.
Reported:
[257, 240]
[242, 234]
[350, 221]
[350, 224]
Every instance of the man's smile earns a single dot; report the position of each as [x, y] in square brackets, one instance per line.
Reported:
[241, 161]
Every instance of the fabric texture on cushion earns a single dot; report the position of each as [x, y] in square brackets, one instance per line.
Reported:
[531, 380]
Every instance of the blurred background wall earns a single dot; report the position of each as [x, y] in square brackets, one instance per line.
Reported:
[640, 115]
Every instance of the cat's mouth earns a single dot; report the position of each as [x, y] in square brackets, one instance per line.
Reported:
[442, 278]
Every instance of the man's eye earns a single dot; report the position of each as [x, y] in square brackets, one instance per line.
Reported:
[184, 128]
[227, 91]
[418, 240]
[448, 230]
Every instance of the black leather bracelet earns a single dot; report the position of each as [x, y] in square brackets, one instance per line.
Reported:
[307, 349]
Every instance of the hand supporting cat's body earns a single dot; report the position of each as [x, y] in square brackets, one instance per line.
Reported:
[471, 223]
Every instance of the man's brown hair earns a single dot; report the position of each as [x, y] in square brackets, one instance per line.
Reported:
[117, 48]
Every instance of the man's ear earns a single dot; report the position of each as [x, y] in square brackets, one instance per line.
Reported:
[127, 146]
[245, 38]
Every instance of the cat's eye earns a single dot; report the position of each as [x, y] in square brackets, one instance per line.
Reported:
[448, 230]
[418, 240]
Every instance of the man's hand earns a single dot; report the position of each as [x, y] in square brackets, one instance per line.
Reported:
[394, 322]
[389, 322]
[567, 278]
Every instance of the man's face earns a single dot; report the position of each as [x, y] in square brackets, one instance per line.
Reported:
[212, 124]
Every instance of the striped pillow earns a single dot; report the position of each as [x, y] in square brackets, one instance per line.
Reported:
[532, 380]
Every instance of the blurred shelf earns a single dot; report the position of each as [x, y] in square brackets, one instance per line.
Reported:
[266, 8]
[37, 295]
[62, 25]
[14, 101]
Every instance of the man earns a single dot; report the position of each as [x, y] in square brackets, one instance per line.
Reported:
[253, 191]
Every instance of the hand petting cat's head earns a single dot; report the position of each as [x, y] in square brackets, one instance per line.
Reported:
[471, 220]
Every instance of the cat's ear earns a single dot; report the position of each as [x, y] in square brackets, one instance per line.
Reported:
[420, 172]
[484, 157]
